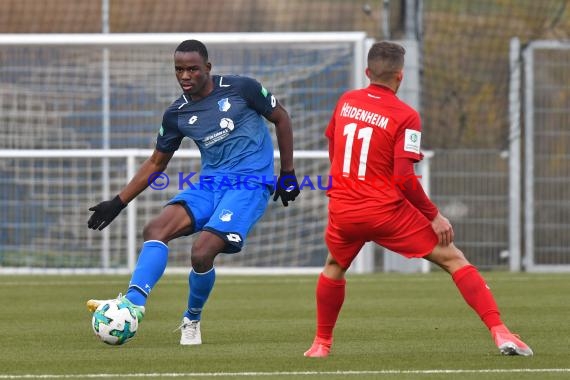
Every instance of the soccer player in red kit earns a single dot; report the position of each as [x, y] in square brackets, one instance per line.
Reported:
[374, 140]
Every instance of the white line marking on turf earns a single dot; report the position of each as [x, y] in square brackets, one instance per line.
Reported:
[234, 279]
[292, 373]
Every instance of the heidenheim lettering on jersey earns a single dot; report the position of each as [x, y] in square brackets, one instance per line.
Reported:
[368, 117]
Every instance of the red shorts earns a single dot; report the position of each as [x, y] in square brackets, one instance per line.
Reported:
[403, 229]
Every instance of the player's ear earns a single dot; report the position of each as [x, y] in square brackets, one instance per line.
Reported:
[400, 75]
[367, 72]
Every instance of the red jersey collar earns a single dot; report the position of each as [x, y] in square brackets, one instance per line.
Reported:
[380, 88]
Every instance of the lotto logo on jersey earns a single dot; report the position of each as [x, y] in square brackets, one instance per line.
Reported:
[412, 141]
[233, 237]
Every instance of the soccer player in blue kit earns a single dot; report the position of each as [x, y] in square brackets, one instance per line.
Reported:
[224, 115]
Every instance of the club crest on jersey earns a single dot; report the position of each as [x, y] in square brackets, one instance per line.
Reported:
[224, 105]
[226, 215]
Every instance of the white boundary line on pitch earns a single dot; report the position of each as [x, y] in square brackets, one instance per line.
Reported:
[238, 279]
[291, 373]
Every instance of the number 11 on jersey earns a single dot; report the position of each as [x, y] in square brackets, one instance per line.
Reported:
[365, 134]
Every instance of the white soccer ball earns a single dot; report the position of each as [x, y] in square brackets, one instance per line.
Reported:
[115, 322]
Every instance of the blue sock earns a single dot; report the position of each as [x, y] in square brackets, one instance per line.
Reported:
[201, 285]
[150, 267]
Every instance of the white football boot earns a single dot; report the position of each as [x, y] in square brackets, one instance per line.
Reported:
[190, 332]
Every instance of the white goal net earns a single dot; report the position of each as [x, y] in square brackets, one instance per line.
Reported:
[79, 113]
[546, 96]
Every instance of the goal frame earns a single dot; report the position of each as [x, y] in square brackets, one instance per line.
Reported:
[531, 173]
[358, 39]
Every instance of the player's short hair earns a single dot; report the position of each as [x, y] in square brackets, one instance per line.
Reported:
[193, 45]
[385, 59]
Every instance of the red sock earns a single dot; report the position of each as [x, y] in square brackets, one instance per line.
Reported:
[330, 297]
[477, 295]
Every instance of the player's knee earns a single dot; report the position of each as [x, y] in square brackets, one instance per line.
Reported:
[458, 256]
[201, 261]
[455, 259]
[460, 259]
[204, 251]
[448, 257]
[333, 269]
[153, 231]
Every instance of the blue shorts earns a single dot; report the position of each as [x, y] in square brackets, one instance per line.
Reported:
[229, 213]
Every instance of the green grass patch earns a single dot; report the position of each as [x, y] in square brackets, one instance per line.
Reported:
[392, 326]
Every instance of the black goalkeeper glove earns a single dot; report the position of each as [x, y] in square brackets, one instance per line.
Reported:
[104, 213]
[286, 187]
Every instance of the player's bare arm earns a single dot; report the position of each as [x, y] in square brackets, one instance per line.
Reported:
[157, 162]
[284, 133]
[105, 212]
